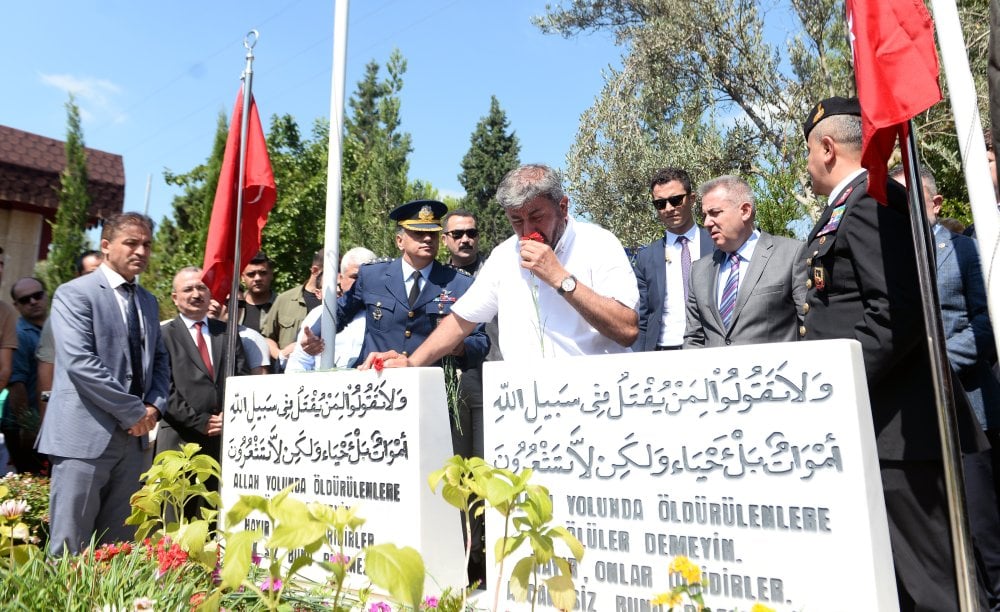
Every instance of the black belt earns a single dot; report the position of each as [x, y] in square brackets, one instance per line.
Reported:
[670, 348]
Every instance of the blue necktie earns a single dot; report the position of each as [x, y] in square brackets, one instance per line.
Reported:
[728, 301]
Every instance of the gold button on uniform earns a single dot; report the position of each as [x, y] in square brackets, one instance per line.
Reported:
[407, 333]
[805, 307]
[802, 330]
[405, 354]
[809, 283]
[822, 239]
[410, 314]
[809, 261]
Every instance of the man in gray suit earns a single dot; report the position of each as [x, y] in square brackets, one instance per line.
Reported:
[751, 290]
[663, 267]
[111, 382]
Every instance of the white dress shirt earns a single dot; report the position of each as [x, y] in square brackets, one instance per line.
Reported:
[554, 328]
[674, 319]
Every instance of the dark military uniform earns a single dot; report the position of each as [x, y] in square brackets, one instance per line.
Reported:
[391, 323]
[862, 284]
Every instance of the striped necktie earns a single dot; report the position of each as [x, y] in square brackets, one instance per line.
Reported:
[727, 303]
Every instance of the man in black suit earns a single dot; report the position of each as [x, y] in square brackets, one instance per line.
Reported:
[663, 267]
[862, 284]
[197, 349]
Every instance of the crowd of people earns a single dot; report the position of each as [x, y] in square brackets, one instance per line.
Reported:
[90, 381]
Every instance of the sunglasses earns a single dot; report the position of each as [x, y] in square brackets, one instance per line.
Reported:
[34, 297]
[458, 234]
[674, 201]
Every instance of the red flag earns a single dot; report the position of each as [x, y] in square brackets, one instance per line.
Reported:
[259, 195]
[896, 69]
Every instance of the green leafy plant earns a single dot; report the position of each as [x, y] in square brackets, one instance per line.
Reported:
[468, 484]
[690, 586]
[176, 479]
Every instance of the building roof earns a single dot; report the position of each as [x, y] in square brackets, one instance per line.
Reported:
[29, 174]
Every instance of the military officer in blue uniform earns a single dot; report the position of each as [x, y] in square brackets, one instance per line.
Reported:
[403, 299]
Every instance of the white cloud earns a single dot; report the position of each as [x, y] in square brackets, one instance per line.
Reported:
[95, 97]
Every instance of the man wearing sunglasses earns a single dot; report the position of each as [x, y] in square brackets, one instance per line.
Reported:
[663, 267]
[461, 238]
[22, 418]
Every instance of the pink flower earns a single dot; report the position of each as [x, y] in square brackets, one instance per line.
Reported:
[380, 606]
[13, 509]
[430, 602]
[341, 559]
[255, 559]
[271, 584]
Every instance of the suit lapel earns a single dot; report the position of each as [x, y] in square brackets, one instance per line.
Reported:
[110, 303]
[218, 341]
[660, 268]
[943, 249]
[394, 282]
[755, 269]
[434, 284]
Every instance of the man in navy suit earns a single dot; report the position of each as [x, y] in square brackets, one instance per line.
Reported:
[111, 382]
[405, 298]
[663, 267]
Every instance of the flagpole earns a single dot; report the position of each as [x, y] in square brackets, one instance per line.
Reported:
[969, 127]
[232, 335]
[331, 238]
[941, 379]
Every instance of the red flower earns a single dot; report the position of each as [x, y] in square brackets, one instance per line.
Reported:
[535, 236]
[378, 364]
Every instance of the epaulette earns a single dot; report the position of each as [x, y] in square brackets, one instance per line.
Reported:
[457, 269]
[378, 260]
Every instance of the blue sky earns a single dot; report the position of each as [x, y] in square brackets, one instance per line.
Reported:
[151, 77]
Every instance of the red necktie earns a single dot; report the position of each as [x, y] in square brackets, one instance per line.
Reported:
[203, 349]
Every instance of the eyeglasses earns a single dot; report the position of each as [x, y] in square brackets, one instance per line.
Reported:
[458, 234]
[674, 201]
[34, 297]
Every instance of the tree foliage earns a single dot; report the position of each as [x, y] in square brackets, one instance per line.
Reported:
[68, 238]
[376, 162]
[294, 230]
[493, 151]
[705, 85]
[180, 238]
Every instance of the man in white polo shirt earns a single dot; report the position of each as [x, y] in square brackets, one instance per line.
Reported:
[560, 287]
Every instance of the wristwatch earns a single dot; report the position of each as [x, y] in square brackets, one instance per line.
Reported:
[568, 285]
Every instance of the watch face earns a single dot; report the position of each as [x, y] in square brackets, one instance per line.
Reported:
[568, 284]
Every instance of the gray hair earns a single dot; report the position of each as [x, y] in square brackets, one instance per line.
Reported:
[845, 130]
[737, 190]
[356, 257]
[530, 181]
[925, 175]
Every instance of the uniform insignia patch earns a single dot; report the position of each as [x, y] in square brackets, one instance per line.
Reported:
[377, 313]
[819, 278]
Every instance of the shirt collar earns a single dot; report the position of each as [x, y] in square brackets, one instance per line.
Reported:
[115, 279]
[188, 323]
[847, 180]
[408, 270]
[672, 238]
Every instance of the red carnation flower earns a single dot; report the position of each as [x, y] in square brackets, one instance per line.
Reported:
[378, 364]
[535, 236]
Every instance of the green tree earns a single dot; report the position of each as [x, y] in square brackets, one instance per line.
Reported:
[294, 230]
[375, 160]
[68, 239]
[702, 87]
[493, 151]
[180, 238]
